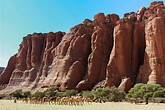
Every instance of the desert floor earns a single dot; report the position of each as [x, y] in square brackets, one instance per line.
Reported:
[10, 105]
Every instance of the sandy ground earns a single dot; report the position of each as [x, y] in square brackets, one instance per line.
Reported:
[9, 105]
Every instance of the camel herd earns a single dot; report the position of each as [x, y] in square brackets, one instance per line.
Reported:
[74, 100]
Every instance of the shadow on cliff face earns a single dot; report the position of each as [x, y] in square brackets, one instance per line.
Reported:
[141, 77]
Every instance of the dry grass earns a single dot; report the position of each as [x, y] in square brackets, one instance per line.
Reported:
[9, 105]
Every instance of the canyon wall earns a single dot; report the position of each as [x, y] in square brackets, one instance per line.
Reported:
[107, 51]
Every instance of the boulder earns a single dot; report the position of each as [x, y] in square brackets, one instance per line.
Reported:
[125, 84]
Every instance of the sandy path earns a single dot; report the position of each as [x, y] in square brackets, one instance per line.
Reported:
[9, 105]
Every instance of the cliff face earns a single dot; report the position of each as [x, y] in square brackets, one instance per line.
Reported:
[153, 70]
[107, 51]
[27, 68]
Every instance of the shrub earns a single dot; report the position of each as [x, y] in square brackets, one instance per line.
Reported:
[146, 91]
[110, 94]
[27, 94]
[87, 94]
[17, 94]
[50, 92]
[159, 93]
[61, 94]
[116, 95]
[39, 94]
[105, 93]
[2, 96]
[70, 93]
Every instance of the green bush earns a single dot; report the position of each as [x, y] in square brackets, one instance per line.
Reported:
[61, 94]
[97, 93]
[70, 93]
[17, 94]
[27, 94]
[159, 93]
[88, 94]
[116, 95]
[146, 91]
[2, 96]
[50, 92]
[109, 94]
[105, 93]
[39, 94]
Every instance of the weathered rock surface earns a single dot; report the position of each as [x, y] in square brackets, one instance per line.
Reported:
[153, 70]
[127, 53]
[101, 45]
[107, 51]
[24, 69]
[81, 57]
[125, 84]
[147, 33]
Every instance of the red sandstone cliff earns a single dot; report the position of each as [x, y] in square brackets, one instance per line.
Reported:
[107, 51]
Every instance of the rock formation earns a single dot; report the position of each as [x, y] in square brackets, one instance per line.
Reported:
[153, 70]
[107, 51]
[32, 62]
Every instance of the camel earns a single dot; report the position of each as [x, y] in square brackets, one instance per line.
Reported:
[65, 101]
[46, 99]
[57, 100]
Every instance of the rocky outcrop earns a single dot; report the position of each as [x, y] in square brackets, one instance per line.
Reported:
[153, 70]
[133, 36]
[34, 56]
[125, 84]
[101, 45]
[107, 51]
[128, 50]
[7, 72]
[81, 57]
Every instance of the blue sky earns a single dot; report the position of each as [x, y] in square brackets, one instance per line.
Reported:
[21, 17]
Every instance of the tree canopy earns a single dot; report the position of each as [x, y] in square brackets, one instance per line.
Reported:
[141, 90]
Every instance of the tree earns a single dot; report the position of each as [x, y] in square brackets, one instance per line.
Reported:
[87, 94]
[39, 94]
[116, 94]
[70, 93]
[110, 94]
[159, 93]
[50, 92]
[27, 94]
[97, 93]
[61, 94]
[145, 91]
[2, 96]
[17, 94]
